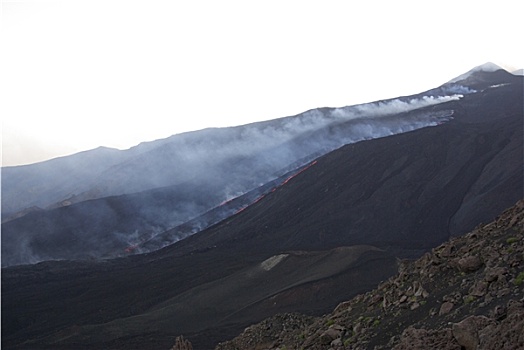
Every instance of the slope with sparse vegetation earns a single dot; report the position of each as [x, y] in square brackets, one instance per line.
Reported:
[467, 293]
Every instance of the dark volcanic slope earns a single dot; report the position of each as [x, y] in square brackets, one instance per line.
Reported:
[405, 193]
[116, 199]
[467, 293]
[104, 227]
[216, 165]
[409, 191]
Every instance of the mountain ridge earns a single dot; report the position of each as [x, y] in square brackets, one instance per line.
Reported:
[397, 194]
[71, 165]
[225, 171]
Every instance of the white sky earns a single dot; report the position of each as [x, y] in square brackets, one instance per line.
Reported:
[75, 74]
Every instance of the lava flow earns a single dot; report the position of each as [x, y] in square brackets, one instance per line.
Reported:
[280, 185]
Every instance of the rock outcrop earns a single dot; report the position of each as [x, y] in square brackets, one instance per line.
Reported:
[182, 344]
[468, 293]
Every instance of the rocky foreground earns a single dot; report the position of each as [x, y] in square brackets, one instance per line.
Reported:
[467, 293]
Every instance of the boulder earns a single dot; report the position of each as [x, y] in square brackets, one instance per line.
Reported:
[493, 273]
[416, 339]
[466, 331]
[330, 334]
[479, 289]
[445, 308]
[469, 263]
[506, 334]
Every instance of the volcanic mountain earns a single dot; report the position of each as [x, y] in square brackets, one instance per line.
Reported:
[86, 206]
[181, 178]
[327, 229]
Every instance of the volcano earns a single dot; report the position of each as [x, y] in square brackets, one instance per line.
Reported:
[191, 174]
[327, 228]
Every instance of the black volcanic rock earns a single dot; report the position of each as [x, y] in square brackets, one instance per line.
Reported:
[397, 196]
[402, 312]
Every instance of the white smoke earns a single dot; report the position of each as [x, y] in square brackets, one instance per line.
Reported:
[379, 109]
[325, 131]
[217, 165]
[458, 89]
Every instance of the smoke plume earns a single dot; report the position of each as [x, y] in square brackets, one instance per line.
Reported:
[159, 186]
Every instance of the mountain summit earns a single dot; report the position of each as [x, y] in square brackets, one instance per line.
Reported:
[480, 76]
[486, 67]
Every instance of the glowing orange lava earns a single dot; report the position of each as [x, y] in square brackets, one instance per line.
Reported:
[275, 188]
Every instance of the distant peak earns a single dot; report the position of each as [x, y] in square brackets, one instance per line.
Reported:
[473, 75]
[487, 67]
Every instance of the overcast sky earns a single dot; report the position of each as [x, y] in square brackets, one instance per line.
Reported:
[75, 74]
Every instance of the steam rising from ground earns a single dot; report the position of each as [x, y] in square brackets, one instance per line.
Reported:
[209, 167]
[395, 106]
[273, 148]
